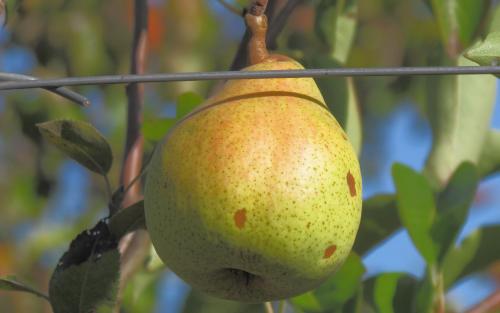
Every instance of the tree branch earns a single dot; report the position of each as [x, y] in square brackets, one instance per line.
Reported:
[134, 246]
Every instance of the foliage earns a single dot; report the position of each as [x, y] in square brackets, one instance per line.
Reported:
[60, 38]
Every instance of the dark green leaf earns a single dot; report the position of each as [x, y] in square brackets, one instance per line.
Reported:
[186, 103]
[11, 284]
[127, 219]
[457, 258]
[87, 275]
[81, 141]
[378, 221]
[336, 291]
[487, 252]
[486, 52]
[489, 162]
[460, 109]
[198, 302]
[416, 209]
[453, 206]
[458, 21]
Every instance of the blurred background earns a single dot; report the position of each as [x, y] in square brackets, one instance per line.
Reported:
[47, 199]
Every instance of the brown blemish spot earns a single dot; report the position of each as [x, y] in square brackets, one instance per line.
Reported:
[329, 251]
[351, 183]
[240, 218]
[308, 225]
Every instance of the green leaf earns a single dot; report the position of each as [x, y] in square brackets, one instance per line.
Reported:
[336, 25]
[336, 291]
[198, 302]
[460, 109]
[417, 209]
[80, 141]
[489, 161]
[384, 291]
[186, 103]
[487, 253]
[378, 221]
[453, 206]
[127, 219]
[458, 21]
[457, 258]
[86, 277]
[486, 52]
[11, 284]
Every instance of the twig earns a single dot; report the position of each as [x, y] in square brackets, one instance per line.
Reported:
[223, 75]
[135, 246]
[489, 304]
[282, 306]
[63, 92]
[230, 8]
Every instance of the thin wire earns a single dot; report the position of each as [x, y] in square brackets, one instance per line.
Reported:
[63, 92]
[224, 75]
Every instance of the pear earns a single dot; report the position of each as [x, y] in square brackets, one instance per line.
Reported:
[256, 195]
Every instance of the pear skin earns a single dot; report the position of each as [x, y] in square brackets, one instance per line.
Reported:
[256, 195]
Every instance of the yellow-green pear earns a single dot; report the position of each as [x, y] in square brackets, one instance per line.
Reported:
[256, 195]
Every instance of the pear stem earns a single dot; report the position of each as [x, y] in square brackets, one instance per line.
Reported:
[256, 22]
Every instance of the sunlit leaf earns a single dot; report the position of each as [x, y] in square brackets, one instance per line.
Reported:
[384, 291]
[486, 52]
[307, 302]
[417, 209]
[12, 284]
[81, 141]
[378, 221]
[336, 24]
[460, 109]
[86, 276]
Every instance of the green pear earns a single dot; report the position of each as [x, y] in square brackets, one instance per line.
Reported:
[256, 195]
